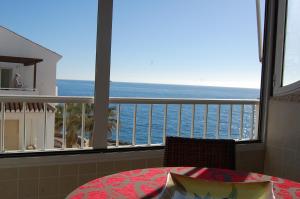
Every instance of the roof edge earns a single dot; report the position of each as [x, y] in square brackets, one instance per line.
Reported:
[39, 45]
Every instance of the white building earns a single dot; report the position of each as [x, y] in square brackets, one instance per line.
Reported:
[36, 67]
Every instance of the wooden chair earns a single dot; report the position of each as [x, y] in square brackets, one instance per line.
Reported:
[213, 153]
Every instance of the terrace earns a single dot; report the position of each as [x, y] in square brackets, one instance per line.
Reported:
[265, 130]
[7, 86]
[244, 111]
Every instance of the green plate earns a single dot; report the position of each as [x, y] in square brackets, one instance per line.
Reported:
[179, 186]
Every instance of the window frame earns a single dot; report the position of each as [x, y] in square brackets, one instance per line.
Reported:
[102, 72]
[279, 88]
[101, 95]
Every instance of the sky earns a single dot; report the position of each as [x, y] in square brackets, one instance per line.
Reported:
[194, 42]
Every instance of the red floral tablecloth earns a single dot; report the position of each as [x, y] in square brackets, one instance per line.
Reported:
[147, 183]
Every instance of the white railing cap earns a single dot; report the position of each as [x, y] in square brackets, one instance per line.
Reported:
[132, 100]
[46, 99]
[123, 100]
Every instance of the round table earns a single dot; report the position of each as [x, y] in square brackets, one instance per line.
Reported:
[148, 183]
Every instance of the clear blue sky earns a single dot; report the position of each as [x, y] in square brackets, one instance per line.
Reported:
[195, 42]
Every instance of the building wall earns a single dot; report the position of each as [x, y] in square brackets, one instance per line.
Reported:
[15, 45]
[282, 156]
[28, 76]
[56, 176]
[34, 128]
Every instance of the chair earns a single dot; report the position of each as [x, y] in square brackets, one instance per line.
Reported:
[214, 153]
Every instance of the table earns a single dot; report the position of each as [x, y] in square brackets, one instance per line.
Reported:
[147, 183]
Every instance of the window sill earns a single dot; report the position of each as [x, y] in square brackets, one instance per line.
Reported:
[16, 154]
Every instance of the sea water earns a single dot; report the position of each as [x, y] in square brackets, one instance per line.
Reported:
[121, 89]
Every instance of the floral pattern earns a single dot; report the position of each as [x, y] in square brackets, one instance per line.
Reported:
[148, 183]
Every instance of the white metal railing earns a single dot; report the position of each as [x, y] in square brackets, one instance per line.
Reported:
[135, 102]
[193, 102]
[18, 89]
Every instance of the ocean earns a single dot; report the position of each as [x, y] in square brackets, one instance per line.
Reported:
[121, 89]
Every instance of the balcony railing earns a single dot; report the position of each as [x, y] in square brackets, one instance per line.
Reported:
[18, 91]
[190, 107]
[137, 121]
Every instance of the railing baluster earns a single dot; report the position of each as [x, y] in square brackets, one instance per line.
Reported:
[82, 125]
[181, 103]
[134, 125]
[242, 122]
[45, 126]
[205, 120]
[118, 125]
[229, 121]
[218, 121]
[2, 126]
[24, 127]
[165, 123]
[179, 120]
[193, 121]
[252, 122]
[150, 125]
[256, 121]
[64, 144]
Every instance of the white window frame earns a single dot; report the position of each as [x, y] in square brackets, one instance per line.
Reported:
[102, 73]
[279, 89]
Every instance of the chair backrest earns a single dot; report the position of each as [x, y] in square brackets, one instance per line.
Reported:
[214, 153]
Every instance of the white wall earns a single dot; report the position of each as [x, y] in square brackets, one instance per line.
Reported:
[27, 76]
[34, 128]
[15, 45]
[282, 156]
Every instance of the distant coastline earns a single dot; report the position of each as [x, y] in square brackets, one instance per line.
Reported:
[125, 89]
[163, 84]
[121, 89]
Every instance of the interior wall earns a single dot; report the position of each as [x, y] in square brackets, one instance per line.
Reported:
[56, 176]
[282, 156]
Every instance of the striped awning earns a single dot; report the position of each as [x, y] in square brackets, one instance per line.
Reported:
[31, 107]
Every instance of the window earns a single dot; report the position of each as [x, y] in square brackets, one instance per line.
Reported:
[144, 41]
[189, 49]
[47, 71]
[287, 71]
[5, 78]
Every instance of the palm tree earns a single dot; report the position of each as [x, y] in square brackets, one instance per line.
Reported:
[73, 122]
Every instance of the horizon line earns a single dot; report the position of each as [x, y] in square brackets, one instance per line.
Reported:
[164, 84]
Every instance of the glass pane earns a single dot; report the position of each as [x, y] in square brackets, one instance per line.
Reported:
[291, 71]
[50, 50]
[183, 49]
